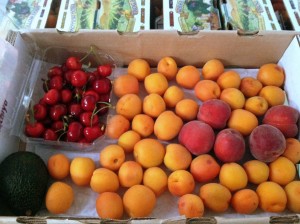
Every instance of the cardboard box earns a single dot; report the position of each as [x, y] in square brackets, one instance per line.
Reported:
[253, 16]
[190, 16]
[235, 51]
[124, 15]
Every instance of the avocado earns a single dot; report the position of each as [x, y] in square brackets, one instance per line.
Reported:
[24, 180]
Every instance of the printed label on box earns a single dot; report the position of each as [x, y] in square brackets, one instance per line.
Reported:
[190, 15]
[121, 15]
[28, 14]
[293, 9]
[250, 15]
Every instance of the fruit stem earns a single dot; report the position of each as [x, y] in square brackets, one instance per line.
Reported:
[95, 111]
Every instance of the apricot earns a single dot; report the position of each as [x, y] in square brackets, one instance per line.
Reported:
[153, 105]
[109, 205]
[104, 180]
[112, 156]
[233, 176]
[283, 117]
[229, 79]
[125, 84]
[234, 97]
[257, 105]
[215, 197]
[143, 124]
[130, 173]
[173, 95]
[156, 83]
[250, 86]
[197, 136]
[206, 90]
[128, 139]
[292, 150]
[187, 109]
[177, 157]
[229, 145]
[187, 76]
[156, 179]
[272, 197]
[191, 206]
[212, 69]
[282, 171]
[168, 67]
[266, 143]
[136, 196]
[245, 201]
[271, 74]
[81, 170]
[129, 105]
[243, 121]
[139, 68]
[292, 191]
[149, 152]
[257, 171]
[214, 112]
[116, 125]
[181, 182]
[167, 125]
[274, 95]
[204, 168]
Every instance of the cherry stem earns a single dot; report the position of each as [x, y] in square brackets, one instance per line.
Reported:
[95, 111]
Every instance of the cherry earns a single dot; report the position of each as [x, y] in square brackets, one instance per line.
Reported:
[92, 93]
[52, 97]
[66, 96]
[58, 126]
[89, 119]
[102, 85]
[75, 109]
[50, 134]
[40, 112]
[56, 82]
[35, 129]
[58, 111]
[68, 75]
[88, 103]
[105, 97]
[73, 63]
[79, 78]
[104, 70]
[91, 77]
[75, 131]
[92, 133]
[102, 108]
[55, 71]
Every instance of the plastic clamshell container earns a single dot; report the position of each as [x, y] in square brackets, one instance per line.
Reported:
[33, 90]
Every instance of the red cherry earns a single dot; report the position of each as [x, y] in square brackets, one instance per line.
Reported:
[57, 126]
[73, 63]
[104, 70]
[102, 85]
[75, 109]
[75, 131]
[92, 133]
[105, 97]
[55, 71]
[52, 97]
[35, 129]
[91, 77]
[50, 134]
[102, 108]
[66, 96]
[68, 75]
[58, 111]
[56, 82]
[88, 103]
[87, 120]
[92, 93]
[40, 112]
[79, 78]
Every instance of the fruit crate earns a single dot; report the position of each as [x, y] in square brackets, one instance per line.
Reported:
[36, 84]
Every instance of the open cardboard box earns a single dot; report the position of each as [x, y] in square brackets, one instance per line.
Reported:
[235, 51]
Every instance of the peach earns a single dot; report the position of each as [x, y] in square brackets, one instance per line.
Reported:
[283, 117]
[292, 191]
[181, 182]
[266, 143]
[229, 145]
[214, 112]
[177, 157]
[204, 168]
[168, 67]
[215, 196]
[197, 136]
[191, 206]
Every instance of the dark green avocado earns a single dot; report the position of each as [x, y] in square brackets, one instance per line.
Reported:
[23, 182]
